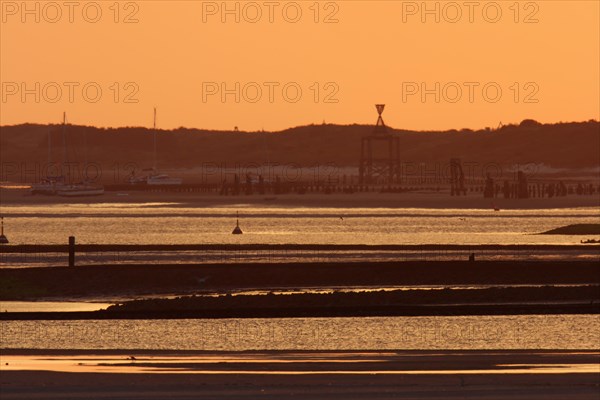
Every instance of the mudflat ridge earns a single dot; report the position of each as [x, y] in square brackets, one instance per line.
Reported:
[141, 280]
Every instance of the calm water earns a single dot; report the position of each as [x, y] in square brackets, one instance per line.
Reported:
[159, 223]
[168, 223]
[382, 333]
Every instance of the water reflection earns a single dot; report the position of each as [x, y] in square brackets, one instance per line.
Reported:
[383, 333]
[163, 223]
[290, 363]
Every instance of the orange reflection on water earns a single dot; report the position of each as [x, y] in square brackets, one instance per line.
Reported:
[379, 363]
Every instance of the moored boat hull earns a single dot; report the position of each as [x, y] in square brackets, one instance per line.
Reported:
[75, 191]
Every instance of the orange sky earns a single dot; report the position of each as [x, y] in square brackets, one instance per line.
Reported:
[376, 52]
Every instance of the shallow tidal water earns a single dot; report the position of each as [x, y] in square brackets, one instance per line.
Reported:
[172, 223]
[159, 223]
[574, 332]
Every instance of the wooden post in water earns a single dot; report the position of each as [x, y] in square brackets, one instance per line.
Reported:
[71, 251]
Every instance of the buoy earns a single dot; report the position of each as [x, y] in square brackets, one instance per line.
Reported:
[237, 230]
[3, 239]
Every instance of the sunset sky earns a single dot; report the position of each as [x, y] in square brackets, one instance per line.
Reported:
[357, 53]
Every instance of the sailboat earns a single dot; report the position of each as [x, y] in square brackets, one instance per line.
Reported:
[163, 179]
[154, 177]
[81, 189]
[50, 184]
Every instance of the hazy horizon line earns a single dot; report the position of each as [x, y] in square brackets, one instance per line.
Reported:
[490, 128]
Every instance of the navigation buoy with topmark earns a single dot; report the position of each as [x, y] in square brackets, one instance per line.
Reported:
[237, 230]
[3, 238]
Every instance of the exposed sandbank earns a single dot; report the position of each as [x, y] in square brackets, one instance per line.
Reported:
[127, 281]
[323, 375]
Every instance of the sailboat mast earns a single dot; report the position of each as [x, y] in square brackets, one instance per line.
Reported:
[154, 128]
[85, 165]
[49, 148]
[64, 139]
